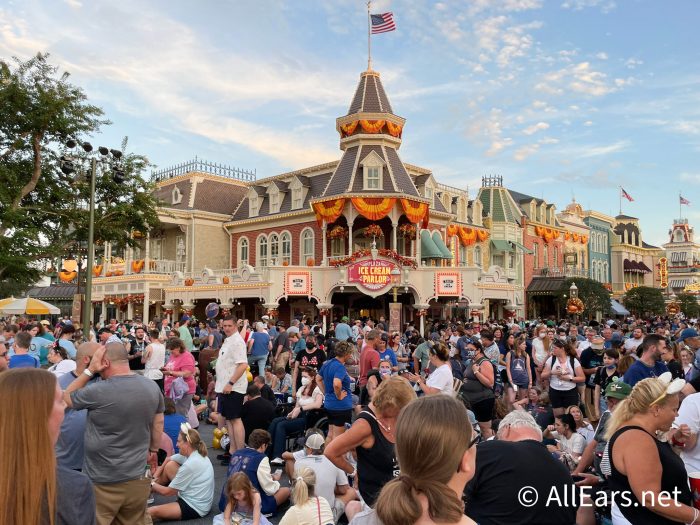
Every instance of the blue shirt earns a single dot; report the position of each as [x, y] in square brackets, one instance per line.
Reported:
[343, 332]
[639, 371]
[329, 371]
[171, 426]
[24, 361]
[69, 346]
[390, 355]
[261, 342]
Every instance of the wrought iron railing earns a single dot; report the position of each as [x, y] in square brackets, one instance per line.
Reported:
[203, 166]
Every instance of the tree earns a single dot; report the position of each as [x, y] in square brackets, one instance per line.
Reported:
[43, 211]
[689, 304]
[593, 294]
[644, 300]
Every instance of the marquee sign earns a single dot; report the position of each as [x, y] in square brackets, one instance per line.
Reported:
[448, 283]
[297, 283]
[374, 275]
[663, 272]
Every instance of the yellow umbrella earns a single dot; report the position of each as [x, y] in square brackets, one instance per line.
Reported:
[6, 301]
[27, 306]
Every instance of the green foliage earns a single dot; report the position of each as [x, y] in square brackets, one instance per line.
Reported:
[689, 304]
[645, 300]
[43, 212]
[593, 294]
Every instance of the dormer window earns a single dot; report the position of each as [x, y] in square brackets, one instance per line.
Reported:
[254, 205]
[274, 201]
[297, 198]
[176, 195]
[429, 193]
[373, 172]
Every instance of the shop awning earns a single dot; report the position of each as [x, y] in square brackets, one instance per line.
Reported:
[678, 257]
[643, 267]
[679, 283]
[522, 248]
[437, 239]
[617, 308]
[428, 250]
[545, 285]
[501, 246]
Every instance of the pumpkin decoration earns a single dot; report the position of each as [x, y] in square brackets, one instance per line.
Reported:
[225, 279]
[574, 305]
[285, 263]
[189, 281]
[66, 276]
[310, 262]
[109, 274]
[119, 272]
[137, 266]
[97, 270]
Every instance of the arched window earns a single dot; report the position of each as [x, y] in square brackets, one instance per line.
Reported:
[605, 272]
[307, 246]
[286, 248]
[594, 242]
[545, 264]
[274, 249]
[242, 251]
[556, 257]
[477, 256]
[262, 251]
[536, 254]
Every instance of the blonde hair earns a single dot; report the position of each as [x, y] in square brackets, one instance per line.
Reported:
[393, 392]
[440, 425]
[303, 485]
[28, 460]
[624, 363]
[195, 440]
[239, 482]
[638, 402]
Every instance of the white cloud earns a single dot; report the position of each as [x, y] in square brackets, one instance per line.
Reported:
[602, 55]
[525, 151]
[548, 140]
[588, 123]
[577, 5]
[693, 178]
[540, 126]
[580, 78]
[632, 63]
[75, 4]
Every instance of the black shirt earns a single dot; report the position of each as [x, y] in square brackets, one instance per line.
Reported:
[306, 358]
[267, 393]
[257, 413]
[503, 469]
[136, 346]
[591, 359]
[376, 465]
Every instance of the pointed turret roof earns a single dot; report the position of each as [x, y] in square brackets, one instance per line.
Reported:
[370, 96]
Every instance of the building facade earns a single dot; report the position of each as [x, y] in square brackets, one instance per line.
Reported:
[681, 263]
[599, 246]
[632, 259]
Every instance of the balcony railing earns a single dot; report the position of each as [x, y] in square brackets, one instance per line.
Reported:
[203, 166]
[563, 272]
[150, 266]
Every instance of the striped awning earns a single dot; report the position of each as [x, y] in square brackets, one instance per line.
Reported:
[678, 256]
[679, 283]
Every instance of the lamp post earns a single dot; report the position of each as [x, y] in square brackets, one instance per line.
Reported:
[573, 293]
[68, 166]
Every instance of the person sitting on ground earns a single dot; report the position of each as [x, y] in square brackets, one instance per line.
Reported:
[172, 421]
[309, 508]
[570, 444]
[189, 475]
[243, 503]
[60, 362]
[253, 462]
[256, 412]
[284, 382]
[583, 426]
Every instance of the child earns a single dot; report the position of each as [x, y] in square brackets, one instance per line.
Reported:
[243, 505]
[604, 376]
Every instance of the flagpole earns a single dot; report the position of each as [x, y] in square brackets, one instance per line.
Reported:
[369, 42]
[680, 206]
[620, 200]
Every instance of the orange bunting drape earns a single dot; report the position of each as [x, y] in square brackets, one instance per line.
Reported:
[373, 208]
[482, 234]
[394, 129]
[567, 236]
[372, 126]
[349, 129]
[452, 229]
[467, 236]
[584, 239]
[416, 212]
[328, 210]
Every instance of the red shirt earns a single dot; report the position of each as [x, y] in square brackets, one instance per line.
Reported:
[369, 359]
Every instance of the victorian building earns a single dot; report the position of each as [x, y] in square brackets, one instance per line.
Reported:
[679, 269]
[632, 259]
[599, 246]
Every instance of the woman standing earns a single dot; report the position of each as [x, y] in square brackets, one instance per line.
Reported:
[29, 475]
[563, 372]
[518, 367]
[430, 487]
[400, 350]
[60, 363]
[540, 352]
[372, 437]
[687, 363]
[153, 359]
[334, 381]
[440, 380]
[631, 433]
[180, 365]
[477, 389]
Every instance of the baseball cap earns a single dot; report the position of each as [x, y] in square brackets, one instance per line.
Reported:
[597, 343]
[45, 322]
[184, 318]
[345, 318]
[315, 442]
[618, 389]
[265, 317]
[616, 338]
[435, 336]
[384, 337]
[687, 333]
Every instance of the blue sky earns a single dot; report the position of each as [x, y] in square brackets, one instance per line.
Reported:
[562, 98]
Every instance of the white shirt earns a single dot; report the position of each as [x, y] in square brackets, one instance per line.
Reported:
[232, 353]
[539, 353]
[631, 344]
[155, 362]
[441, 378]
[65, 366]
[555, 381]
[327, 475]
[689, 414]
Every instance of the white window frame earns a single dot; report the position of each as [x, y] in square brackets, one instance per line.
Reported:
[371, 179]
[477, 256]
[286, 247]
[243, 246]
[275, 200]
[463, 261]
[176, 195]
[156, 248]
[307, 235]
[536, 254]
[253, 204]
[273, 242]
[297, 198]
[262, 255]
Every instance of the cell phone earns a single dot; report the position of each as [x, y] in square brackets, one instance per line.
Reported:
[577, 478]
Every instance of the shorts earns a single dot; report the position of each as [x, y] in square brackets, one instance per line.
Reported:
[231, 405]
[188, 513]
[338, 418]
[483, 410]
[563, 398]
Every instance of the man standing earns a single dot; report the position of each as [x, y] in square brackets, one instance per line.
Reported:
[21, 358]
[342, 330]
[138, 345]
[184, 332]
[591, 359]
[369, 356]
[281, 342]
[122, 435]
[231, 381]
[633, 342]
[649, 363]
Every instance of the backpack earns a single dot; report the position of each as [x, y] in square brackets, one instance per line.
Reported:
[572, 360]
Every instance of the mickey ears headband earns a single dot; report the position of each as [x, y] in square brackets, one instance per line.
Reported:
[185, 429]
[673, 386]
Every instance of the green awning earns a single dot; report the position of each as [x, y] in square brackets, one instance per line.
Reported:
[501, 246]
[521, 247]
[437, 239]
[428, 250]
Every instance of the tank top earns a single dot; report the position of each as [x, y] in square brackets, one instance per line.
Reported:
[673, 476]
[518, 370]
[376, 465]
[155, 362]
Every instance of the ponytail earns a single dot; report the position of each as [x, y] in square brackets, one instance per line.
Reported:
[303, 487]
[397, 503]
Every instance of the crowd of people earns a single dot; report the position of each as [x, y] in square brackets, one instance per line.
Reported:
[365, 424]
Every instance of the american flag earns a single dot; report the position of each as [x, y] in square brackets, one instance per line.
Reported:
[625, 194]
[383, 23]
[683, 200]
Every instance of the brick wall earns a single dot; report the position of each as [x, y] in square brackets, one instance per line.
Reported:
[295, 231]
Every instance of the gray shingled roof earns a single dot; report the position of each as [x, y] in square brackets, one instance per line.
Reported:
[211, 195]
[369, 95]
[304, 180]
[282, 186]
